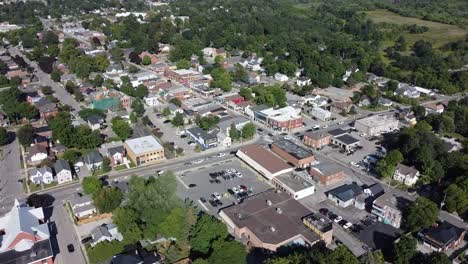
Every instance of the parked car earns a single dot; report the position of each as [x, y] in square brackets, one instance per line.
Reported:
[324, 211]
[192, 185]
[202, 199]
[347, 225]
[70, 248]
[243, 187]
[86, 240]
[338, 219]
[216, 195]
[333, 216]
[218, 202]
[231, 192]
[213, 203]
[235, 189]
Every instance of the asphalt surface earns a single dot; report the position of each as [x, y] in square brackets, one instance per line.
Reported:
[11, 172]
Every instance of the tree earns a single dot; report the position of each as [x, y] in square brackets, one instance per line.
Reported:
[134, 58]
[71, 155]
[176, 101]
[133, 118]
[207, 230]
[49, 38]
[47, 90]
[166, 112]
[46, 64]
[221, 79]
[126, 219]
[386, 167]
[116, 54]
[146, 60]
[228, 251]
[106, 164]
[107, 199]
[91, 184]
[183, 64]
[404, 250]
[246, 93]
[141, 91]
[98, 80]
[87, 112]
[138, 107]
[55, 75]
[234, 134]
[457, 197]
[248, 131]
[342, 255]
[3, 136]
[207, 122]
[421, 214]
[121, 128]
[373, 257]
[178, 120]
[25, 135]
[178, 223]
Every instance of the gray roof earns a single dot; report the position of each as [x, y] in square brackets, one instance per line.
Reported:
[347, 139]
[93, 157]
[346, 192]
[40, 250]
[406, 170]
[41, 170]
[94, 119]
[143, 145]
[118, 149]
[224, 124]
[198, 132]
[84, 208]
[443, 234]
[327, 168]
[61, 165]
[76, 199]
[317, 135]
[337, 132]
[259, 108]
[376, 189]
[293, 149]
[100, 231]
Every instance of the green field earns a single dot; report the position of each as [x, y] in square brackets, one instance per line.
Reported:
[438, 34]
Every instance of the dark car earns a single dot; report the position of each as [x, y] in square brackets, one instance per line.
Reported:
[284, 134]
[342, 222]
[217, 181]
[332, 216]
[212, 181]
[70, 248]
[213, 203]
[183, 136]
[270, 134]
[243, 187]
[192, 185]
[167, 121]
[86, 240]
[231, 192]
[202, 199]
[323, 211]
[218, 202]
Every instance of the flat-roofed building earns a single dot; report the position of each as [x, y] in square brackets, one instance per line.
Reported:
[376, 124]
[346, 141]
[283, 119]
[294, 185]
[385, 208]
[269, 220]
[263, 161]
[321, 225]
[144, 150]
[327, 172]
[317, 139]
[293, 153]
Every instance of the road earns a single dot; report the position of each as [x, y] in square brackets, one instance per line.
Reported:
[10, 166]
[45, 79]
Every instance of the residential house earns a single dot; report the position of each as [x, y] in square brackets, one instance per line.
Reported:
[281, 77]
[36, 154]
[41, 175]
[105, 232]
[386, 210]
[33, 97]
[442, 236]
[153, 57]
[405, 174]
[93, 160]
[407, 91]
[116, 155]
[63, 171]
[385, 102]
[82, 206]
[43, 131]
[317, 139]
[434, 108]
[303, 81]
[320, 113]
[340, 107]
[239, 122]
[269, 220]
[346, 195]
[144, 150]
[47, 109]
[95, 122]
[115, 68]
[327, 173]
[294, 154]
[206, 139]
[233, 100]
[25, 236]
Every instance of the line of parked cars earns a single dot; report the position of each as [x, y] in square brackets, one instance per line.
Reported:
[336, 218]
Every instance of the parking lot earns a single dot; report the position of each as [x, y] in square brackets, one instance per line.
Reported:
[199, 186]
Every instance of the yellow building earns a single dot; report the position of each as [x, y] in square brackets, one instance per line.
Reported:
[144, 150]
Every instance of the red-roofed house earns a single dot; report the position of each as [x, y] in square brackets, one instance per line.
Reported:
[234, 100]
[153, 57]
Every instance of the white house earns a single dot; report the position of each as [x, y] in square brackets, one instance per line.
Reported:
[320, 113]
[43, 174]
[152, 99]
[281, 77]
[303, 81]
[106, 232]
[93, 160]
[63, 171]
[408, 175]
[82, 206]
[36, 154]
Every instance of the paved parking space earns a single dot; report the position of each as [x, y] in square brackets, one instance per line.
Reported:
[201, 178]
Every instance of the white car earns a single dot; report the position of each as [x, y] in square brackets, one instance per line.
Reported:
[217, 196]
[340, 123]
[238, 174]
[339, 218]
[354, 164]
[198, 161]
[235, 189]
[363, 135]
[347, 225]
[229, 171]
[325, 126]
[220, 155]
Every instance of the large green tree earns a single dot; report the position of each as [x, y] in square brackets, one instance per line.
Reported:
[25, 135]
[3, 136]
[421, 214]
[404, 250]
[91, 185]
[107, 199]
[121, 128]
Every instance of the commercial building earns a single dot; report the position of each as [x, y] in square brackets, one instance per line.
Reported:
[384, 207]
[263, 161]
[269, 220]
[321, 225]
[317, 139]
[320, 113]
[296, 186]
[283, 119]
[375, 125]
[291, 152]
[25, 236]
[346, 195]
[327, 173]
[144, 150]
[206, 139]
[346, 141]
[442, 237]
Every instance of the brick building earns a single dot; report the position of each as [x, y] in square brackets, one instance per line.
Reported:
[293, 153]
[317, 139]
[327, 173]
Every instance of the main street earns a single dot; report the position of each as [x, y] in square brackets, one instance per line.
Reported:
[11, 172]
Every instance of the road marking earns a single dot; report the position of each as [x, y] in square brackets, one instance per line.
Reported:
[203, 205]
[183, 183]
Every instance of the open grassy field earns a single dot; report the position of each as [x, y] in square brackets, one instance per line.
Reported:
[438, 34]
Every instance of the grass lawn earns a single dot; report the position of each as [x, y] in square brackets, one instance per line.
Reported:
[377, 108]
[50, 185]
[438, 34]
[34, 187]
[454, 135]
[120, 167]
[132, 165]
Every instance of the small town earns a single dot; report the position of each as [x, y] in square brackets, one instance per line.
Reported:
[233, 132]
